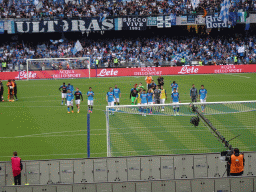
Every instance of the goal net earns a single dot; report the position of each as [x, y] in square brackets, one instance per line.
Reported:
[157, 129]
[58, 64]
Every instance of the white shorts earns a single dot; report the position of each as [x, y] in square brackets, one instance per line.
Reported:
[150, 103]
[69, 103]
[143, 104]
[138, 104]
[78, 102]
[174, 106]
[90, 102]
[111, 103]
[116, 100]
[162, 101]
[63, 95]
[202, 100]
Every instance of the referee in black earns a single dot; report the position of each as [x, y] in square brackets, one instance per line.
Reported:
[15, 89]
[193, 93]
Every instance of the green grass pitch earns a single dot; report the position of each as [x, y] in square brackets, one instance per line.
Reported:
[38, 127]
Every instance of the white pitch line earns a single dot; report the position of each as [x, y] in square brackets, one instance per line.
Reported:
[239, 76]
[51, 107]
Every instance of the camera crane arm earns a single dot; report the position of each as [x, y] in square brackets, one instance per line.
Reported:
[208, 123]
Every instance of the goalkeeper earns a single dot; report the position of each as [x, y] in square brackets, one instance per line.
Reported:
[134, 94]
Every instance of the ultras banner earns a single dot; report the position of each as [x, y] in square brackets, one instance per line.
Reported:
[68, 25]
[118, 72]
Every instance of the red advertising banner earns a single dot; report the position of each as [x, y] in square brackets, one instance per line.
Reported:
[118, 72]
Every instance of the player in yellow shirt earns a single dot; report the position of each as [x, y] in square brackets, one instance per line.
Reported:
[139, 99]
[163, 96]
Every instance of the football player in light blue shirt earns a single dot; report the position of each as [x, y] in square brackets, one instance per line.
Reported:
[174, 85]
[70, 98]
[144, 100]
[90, 95]
[175, 99]
[203, 96]
[117, 94]
[150, 97]
[70, 87]
[110, 98]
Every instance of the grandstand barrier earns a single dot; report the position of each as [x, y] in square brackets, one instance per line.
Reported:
[118, 72]
[123, 169]
[234, 184]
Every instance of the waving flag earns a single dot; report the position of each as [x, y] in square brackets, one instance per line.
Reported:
[224, 12]
[78, 47]
[194, 3]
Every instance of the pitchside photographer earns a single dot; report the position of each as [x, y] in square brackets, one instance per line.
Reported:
[236, 163]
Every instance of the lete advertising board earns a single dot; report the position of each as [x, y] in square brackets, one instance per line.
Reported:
[119, 72]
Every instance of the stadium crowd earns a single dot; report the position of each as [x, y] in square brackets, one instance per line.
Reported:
[162, 50]
[103, 8]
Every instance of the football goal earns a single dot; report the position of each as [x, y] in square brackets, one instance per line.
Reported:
[134, 130]
[58, 64]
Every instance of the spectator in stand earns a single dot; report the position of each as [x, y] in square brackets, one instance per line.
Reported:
[104, 8]
[168, 51]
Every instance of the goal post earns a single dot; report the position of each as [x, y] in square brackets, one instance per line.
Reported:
[58, 63]
[134, 130]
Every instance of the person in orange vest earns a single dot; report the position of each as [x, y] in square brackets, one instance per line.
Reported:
[16, 168]
[148, 80]
[236, 163]
[10, 86]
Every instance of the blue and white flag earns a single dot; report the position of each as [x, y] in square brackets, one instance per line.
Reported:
[78, 47]
[194, 3]
[224, 12]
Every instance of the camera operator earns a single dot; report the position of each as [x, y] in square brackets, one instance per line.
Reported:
[236, 163]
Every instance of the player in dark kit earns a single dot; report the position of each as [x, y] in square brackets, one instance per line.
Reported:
[78, 95]
[15, 89]
[1, 91]
[64, 88]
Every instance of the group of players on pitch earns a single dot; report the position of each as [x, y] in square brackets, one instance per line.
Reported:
[67, 93]
[11, 88]
[155, 94]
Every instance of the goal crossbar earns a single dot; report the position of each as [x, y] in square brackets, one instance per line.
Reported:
[183, 104]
